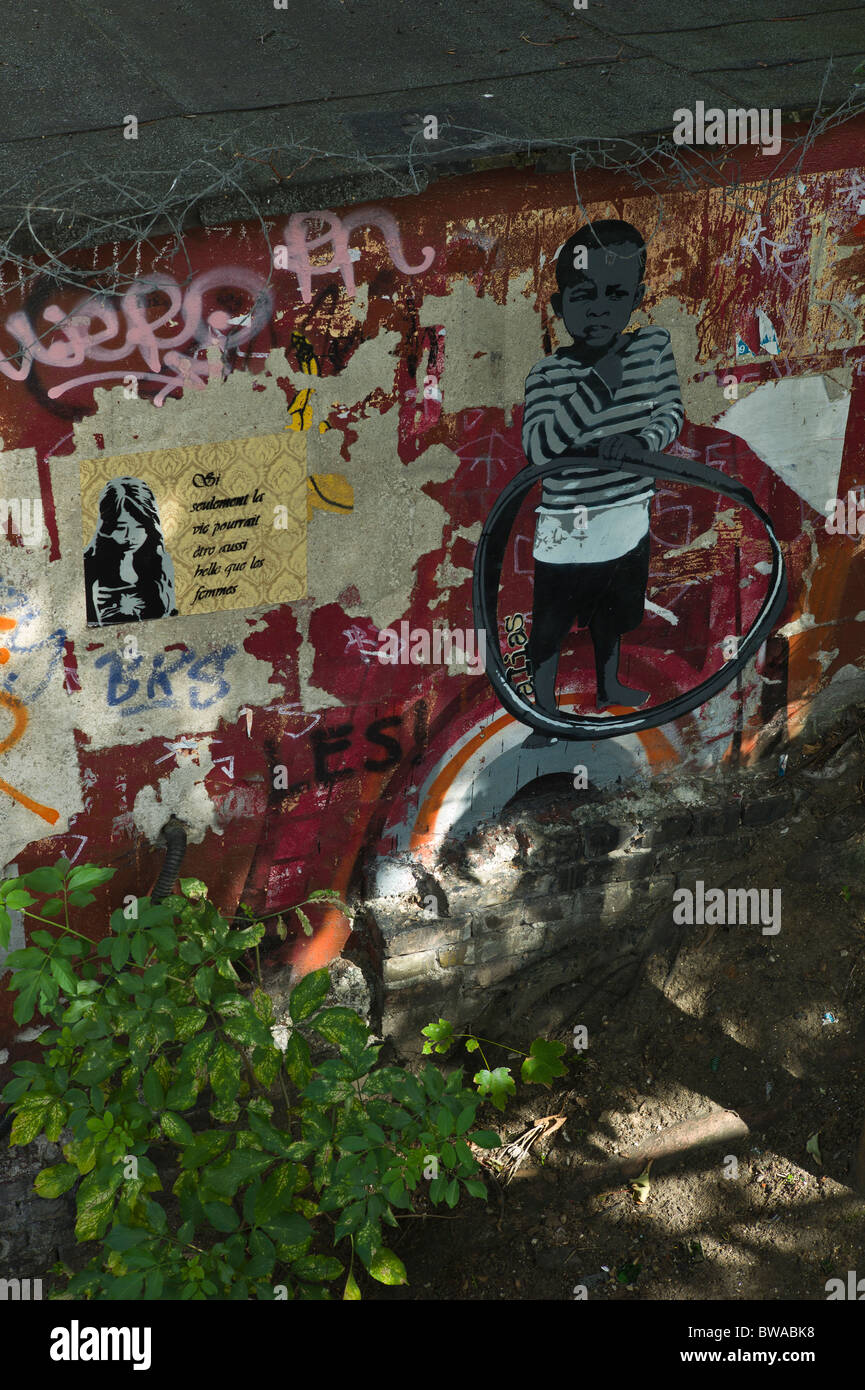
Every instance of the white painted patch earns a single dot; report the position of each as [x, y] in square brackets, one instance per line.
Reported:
[392, 878]
[41, 763]
[182, 793]
[797, 430]
[500, 766]
[662, 612]
[802, 624]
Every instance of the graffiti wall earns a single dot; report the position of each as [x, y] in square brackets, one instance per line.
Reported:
[242, 501]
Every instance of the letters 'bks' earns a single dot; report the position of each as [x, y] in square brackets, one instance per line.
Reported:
[487, 575]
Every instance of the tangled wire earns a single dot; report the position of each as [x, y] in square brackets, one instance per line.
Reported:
[46, 237]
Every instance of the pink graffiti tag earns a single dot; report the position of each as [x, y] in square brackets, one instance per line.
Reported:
[337, 231]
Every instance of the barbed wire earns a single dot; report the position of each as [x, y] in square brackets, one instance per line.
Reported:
[148, 214]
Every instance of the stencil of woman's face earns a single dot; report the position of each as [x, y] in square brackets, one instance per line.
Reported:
[128, 531]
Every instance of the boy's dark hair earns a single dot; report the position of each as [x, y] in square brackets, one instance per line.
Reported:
[594, 235]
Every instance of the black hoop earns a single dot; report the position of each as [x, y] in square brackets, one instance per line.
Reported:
[489, 557]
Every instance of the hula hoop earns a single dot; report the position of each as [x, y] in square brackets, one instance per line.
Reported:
[489, 557]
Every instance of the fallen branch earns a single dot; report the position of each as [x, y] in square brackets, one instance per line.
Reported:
[509, 1158]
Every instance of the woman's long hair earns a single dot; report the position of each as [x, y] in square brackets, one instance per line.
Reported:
[151, 562]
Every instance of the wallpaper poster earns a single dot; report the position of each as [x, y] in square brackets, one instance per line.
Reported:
[200, 529]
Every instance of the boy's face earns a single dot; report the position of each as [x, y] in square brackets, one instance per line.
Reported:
[599, 303]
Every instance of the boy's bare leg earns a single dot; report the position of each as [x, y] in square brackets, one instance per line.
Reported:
[553, 614]
[611, 691]
[544, 680]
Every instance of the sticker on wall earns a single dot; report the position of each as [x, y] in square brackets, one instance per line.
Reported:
[768, 336]
[200, 529]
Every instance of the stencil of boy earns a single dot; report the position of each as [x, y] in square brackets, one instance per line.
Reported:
[619, 393]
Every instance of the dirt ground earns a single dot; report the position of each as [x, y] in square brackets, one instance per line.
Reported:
[772, 1027]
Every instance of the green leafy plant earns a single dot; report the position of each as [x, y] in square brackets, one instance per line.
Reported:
[540, 1064]
[206, 1161]
[629, 1272]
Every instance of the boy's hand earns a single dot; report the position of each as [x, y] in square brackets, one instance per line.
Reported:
[622, 446]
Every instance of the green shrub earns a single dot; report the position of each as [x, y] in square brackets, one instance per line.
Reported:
[162, 1059]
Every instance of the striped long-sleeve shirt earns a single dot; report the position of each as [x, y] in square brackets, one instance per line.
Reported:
[569, 405]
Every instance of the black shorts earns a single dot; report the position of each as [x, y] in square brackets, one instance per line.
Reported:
[612, 592]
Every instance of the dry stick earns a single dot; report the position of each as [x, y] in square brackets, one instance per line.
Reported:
[283, 178]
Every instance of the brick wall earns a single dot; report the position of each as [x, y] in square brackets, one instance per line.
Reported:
[565, 896]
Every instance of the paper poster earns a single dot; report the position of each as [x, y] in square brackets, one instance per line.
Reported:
[201, 529]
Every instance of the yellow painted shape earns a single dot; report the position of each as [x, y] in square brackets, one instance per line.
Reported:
[329, 492]
[300, 410]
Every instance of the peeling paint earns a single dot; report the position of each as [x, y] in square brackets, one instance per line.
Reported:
[408, 394]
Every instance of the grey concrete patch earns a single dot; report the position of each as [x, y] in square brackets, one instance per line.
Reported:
[787, 85]
[217, 87]
[757, 41]
[223, 56]
[34, 1231]
[637, 17]
[60, 73]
